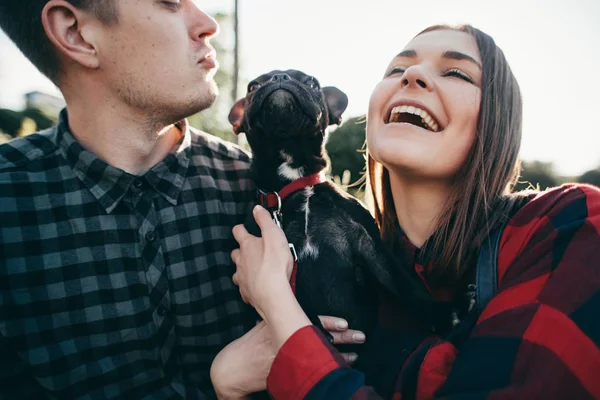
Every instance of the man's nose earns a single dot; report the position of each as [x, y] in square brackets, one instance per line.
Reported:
[204, 26]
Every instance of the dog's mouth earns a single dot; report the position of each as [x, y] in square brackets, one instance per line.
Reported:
[413, 115]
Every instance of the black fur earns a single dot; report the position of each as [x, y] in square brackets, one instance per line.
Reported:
[342, 260]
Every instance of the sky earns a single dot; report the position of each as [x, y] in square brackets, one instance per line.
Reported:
[552, 46]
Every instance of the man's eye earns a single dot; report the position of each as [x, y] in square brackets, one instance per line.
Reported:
[174, 5]
[458, 74]
[396, 70]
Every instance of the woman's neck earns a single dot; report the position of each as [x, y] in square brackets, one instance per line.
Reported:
[418, 205]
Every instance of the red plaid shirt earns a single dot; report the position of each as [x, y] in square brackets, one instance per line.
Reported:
[539, 337]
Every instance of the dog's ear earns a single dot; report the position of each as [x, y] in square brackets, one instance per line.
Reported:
[336, 102]
[236, 115]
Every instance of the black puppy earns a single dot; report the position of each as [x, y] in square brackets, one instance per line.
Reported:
[339, 250]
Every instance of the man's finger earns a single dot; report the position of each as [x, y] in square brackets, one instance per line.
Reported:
[349, 336]
[234, 279]
[240, 233]
[333, 324]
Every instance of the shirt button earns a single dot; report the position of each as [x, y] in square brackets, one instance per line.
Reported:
[162, 310]
[137, 183]
[150, 236]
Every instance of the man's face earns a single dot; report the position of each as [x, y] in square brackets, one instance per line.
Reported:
[157, 59]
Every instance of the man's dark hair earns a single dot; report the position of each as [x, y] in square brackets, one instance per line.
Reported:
[22, 22]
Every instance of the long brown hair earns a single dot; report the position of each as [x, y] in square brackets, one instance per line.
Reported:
[481, 197]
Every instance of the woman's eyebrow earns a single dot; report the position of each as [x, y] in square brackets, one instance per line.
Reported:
[450, 54]
[457, 55]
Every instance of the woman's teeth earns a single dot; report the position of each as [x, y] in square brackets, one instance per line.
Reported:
[427, 119]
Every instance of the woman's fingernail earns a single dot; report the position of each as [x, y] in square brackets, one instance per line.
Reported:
[257, 208]
[359, 337]
[341, 324]
[352, 357]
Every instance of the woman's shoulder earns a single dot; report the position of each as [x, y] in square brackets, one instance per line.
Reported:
[549, 227]
[564, 200]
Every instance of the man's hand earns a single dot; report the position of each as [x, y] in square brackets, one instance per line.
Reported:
[338, 328]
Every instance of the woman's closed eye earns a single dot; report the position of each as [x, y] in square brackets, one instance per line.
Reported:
[455, 72]
[396, 70]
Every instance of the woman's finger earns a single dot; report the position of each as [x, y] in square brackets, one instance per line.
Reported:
[263, 219]
[350, 357]
[349, 336]
[235, 256]
[240, 233]
[333, 324]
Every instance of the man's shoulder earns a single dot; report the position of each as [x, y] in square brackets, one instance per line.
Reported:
[19, 153]
[213, 146]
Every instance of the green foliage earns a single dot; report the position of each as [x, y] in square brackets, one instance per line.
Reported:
[591, 177]
[537, 174]
[345, 148]
[42, 121]
[10, 121]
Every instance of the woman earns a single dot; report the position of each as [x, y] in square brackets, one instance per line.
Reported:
[443, 133]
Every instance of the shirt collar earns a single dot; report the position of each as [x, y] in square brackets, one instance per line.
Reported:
[410, 254]
[109, 184]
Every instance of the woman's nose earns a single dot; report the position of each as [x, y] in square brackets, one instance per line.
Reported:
[416, 78]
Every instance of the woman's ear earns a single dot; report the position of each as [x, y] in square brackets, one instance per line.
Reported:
[65, 26]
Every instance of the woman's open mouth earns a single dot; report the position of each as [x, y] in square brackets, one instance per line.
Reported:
[413, 115]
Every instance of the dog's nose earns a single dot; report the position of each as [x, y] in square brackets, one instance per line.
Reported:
[280, 78]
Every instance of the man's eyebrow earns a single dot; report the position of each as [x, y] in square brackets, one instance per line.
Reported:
[457, 55]
[450, 54]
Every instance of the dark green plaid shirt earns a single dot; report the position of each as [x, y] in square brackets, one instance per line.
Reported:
[113, 285]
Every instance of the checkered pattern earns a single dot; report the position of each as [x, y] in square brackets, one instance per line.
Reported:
[538, 338]
[113, 285]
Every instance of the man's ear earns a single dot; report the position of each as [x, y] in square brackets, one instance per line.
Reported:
[336, 102]
[236, 115]
[70, 31]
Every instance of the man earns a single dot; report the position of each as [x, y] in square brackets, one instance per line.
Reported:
[115, 226]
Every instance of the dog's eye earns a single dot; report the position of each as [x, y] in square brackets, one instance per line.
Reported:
[312, 82]
[253, 86]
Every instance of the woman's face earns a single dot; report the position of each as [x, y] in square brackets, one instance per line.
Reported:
[423, 114]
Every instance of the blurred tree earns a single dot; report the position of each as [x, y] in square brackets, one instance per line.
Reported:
[537, 174]
[592, 177]
[10, 121]
[43, 121]
[345, 148]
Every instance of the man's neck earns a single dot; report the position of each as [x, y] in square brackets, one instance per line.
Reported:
[124, 138]
[418, 205]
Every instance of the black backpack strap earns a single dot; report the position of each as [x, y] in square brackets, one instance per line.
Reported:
[486, 280]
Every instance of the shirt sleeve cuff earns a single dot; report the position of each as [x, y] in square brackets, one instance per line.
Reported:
[303, 360]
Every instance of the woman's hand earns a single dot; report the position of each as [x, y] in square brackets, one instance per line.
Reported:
[264, 264]
[242, 366]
